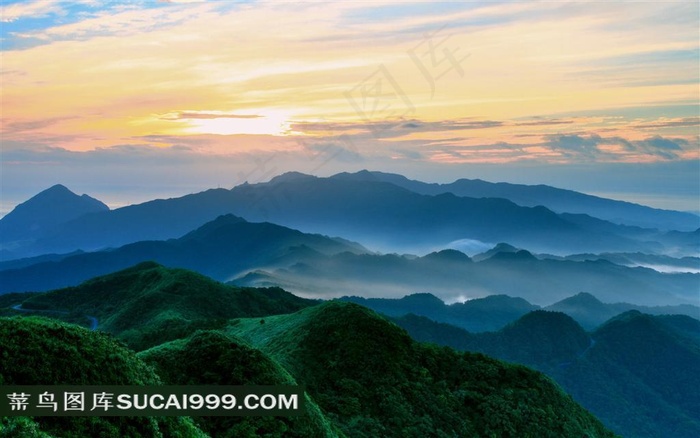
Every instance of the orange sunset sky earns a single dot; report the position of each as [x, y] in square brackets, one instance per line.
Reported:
[132, 100]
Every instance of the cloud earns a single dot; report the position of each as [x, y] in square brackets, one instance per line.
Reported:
[394, 128]
[83, 20]
[20, 126]
[207, 115]
[408, 154]
[547, 122]
[662, 147]
[576, 145]
[592, 147]
[342, 152]
[659, 143]
[33, 9]
[669, 123]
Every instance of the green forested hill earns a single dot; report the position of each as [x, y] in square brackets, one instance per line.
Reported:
[213, 358]
[364, 376]
[371, 379]
[148, 304]
[36, 351]
[646, 376]
[638, 373]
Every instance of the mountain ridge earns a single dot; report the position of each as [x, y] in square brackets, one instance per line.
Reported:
[557, 199]
[360, 209]
[220, 249]
[494, 312]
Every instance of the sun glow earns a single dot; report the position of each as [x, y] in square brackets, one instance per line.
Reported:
[262, 123]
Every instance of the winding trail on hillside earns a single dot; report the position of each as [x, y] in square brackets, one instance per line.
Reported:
[579, 356]
[93, 321]
[583, 353]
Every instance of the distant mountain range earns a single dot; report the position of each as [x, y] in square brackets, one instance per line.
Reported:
[494, 312]
[557, 200]
[452, 275]
[636, 372]
[263, 254]
[222, 249]
[657, 262]
[375, 209]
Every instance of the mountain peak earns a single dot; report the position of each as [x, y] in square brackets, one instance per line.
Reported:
[448, 255]
[56, 191]
[376, 176]
[498, 249]
[423, 298]
[46, 210]
[57, 188]
[510, 255]
[582, 298]
[225, 220]
[505, 247]
[290, 176]
[61, 193]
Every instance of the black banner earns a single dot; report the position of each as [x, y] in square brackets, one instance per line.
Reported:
[73, 400]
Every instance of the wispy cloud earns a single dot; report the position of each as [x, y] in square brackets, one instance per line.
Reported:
[207, 115]
[669, 123]
[596, 148]
[29, 9]
[354, 83]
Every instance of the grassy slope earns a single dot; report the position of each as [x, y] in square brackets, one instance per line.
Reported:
[148, 304]
[371, 379]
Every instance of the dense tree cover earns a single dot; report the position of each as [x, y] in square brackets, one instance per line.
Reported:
[365, 377]
[646, 376]
[371, 379]
[638, 373]
[149, 304]
[35, 351]
[540, 339]
[213, 358]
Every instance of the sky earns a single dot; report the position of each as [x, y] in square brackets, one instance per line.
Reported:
[134, 100]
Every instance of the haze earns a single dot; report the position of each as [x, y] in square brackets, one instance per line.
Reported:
[132, 101]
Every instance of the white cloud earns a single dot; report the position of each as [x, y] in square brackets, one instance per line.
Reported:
[33, 9]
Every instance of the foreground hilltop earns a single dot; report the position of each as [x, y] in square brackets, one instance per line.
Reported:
[148, 304]
[373, 380]
[364, 376]
[65, 354]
